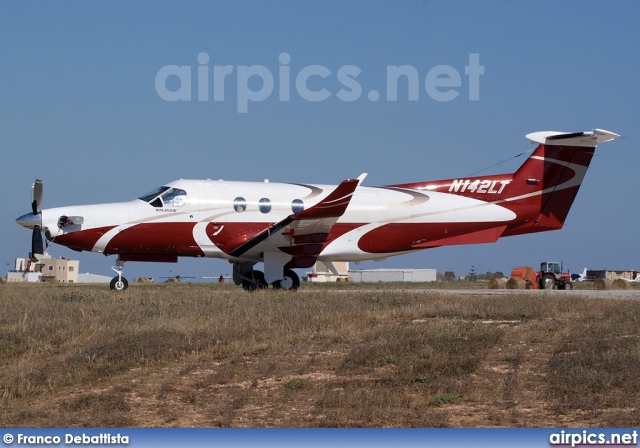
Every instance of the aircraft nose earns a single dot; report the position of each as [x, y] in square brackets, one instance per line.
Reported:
[30, 220]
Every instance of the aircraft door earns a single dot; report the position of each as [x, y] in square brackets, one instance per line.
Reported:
[210, 210]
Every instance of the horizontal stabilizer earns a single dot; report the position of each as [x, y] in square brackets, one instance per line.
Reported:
[588, 139]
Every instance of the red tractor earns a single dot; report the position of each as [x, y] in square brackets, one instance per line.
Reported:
[551, 276]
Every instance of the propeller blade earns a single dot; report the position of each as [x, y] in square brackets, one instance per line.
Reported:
[36, 196]
[37, 244]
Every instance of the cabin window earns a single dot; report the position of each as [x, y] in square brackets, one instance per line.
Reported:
[264, 205]
[239, 204]
[297, 206]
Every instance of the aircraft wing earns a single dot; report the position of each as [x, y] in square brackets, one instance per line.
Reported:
[306, 231]
[635, 280]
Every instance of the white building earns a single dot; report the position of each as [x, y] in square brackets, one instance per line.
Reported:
[58, 270]
[93, 278]
[337, 271]
[394, 275]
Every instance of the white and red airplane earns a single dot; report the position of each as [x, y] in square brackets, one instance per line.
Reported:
[287, 226]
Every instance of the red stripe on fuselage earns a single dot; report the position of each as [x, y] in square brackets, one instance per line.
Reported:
[174, 238]
[228, 236]
[404, 237]
[82, 239]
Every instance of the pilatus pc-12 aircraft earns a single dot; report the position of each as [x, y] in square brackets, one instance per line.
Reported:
[287, 226]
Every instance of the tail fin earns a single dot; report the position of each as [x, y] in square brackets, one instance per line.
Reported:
[542, 190]
[545, 186]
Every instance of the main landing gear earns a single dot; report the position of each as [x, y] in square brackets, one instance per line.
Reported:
[289, 281]
[255, 280]
[118, 283]
[251, 279]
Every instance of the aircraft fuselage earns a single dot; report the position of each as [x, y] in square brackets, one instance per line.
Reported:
[287, 225]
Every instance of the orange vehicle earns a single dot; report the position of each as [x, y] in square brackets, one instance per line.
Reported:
[527, 274]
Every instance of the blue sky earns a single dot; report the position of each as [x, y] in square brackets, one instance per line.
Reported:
[80, 109]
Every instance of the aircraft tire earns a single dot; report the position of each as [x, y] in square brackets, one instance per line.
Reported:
[118, 284]
[258, 282]
[290, 282]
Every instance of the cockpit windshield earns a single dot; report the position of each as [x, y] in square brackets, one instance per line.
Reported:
[154, 194]
[165, 197]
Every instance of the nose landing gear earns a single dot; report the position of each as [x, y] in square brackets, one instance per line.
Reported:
[118, 283]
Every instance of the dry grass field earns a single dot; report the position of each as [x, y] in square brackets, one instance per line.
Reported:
[214, 356]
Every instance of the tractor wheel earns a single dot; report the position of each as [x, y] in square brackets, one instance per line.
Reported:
[548, 281]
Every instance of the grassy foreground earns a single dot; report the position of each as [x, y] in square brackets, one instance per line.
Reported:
[210, 355]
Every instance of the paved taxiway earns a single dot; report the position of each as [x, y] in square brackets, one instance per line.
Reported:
[588, 293]
[596, 294]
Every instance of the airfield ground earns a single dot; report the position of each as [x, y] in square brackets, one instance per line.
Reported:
[208, 355]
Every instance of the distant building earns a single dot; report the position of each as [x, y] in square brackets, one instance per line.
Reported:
[322, 273]
[57, 270]
[394, 275]
[611, 274]
[93, 278]
[25, 271]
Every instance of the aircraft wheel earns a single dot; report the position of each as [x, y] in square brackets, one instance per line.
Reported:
[548, 281]
[290, 281]
[256, 281]
[118, 284]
